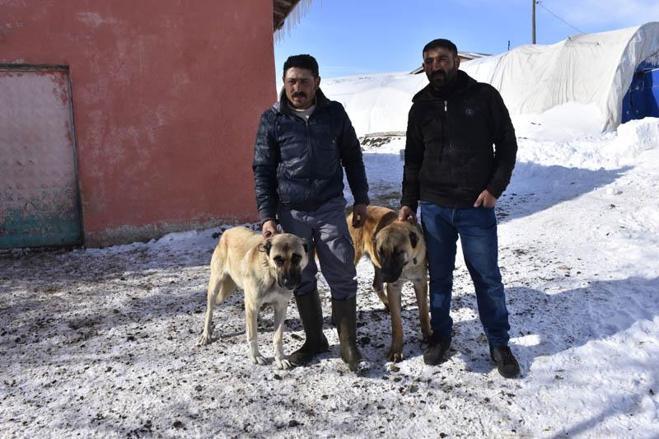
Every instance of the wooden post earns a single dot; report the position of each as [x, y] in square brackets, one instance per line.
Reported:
[533, 23]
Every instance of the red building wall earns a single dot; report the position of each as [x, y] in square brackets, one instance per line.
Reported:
[166, 100]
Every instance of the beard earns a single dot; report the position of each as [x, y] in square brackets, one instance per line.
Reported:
[441, 78]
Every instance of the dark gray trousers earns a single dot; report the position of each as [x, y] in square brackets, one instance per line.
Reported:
[326, 231]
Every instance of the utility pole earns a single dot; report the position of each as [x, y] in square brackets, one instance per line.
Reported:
[533, 23]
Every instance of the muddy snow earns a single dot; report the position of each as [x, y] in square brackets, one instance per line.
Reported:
[102, 342]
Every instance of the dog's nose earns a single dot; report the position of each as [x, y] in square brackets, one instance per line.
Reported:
[390, 276]
[291, 282]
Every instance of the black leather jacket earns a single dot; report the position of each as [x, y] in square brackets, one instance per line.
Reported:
[449, 154]
[300, 163]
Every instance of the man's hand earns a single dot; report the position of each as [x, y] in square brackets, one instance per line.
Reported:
[269, 228]
[485, 199]
[359, 213]
[406, 214]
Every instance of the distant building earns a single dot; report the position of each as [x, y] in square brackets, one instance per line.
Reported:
[123, 120]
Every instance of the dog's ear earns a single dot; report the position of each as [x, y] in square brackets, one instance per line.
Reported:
[266, 246]
[414, 239]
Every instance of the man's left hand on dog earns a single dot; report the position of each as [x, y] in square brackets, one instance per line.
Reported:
[359, 213]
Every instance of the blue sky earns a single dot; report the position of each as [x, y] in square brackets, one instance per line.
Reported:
[350, 37]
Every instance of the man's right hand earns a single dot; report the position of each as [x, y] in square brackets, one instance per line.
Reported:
[406, 214]
[269, 228]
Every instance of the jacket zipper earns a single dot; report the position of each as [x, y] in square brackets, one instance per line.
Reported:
[444, 130]
[311, 152]
[306, 122]
[446, 142]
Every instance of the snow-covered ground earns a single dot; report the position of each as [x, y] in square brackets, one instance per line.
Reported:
[101, 343]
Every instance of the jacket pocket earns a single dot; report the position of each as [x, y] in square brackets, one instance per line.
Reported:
[326, 157]
[431, 130]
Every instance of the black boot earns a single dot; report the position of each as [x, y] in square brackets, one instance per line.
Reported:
[507, 365]
[436, 351]
[344, 316]
[311, 315]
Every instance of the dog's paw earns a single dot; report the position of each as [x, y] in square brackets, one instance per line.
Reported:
[283, 363]
[258, 359]
[395, 355]
[204, 340]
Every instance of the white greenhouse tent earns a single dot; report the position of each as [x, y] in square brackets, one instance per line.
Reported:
[594, 69]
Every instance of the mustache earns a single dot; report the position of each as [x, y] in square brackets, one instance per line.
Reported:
[299, 94]
[438, 73]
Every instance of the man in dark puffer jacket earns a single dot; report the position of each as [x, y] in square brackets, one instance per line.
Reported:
[303, 143]
[452, 169]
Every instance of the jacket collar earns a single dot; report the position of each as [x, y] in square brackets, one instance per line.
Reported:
[462, 83]
[283, 106]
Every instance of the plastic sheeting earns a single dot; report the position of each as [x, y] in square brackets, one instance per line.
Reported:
[589, 69]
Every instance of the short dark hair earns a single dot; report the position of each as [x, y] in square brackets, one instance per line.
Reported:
[443, 43]
[302, 62]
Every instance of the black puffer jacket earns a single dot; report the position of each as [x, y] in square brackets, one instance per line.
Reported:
[300, 164]
[449, 159]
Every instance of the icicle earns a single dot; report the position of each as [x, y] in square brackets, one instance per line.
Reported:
[293, 18]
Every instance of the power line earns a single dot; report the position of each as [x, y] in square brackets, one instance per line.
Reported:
[539, 3]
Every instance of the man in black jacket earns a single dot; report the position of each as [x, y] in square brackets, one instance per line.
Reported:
[456, 175]
[303, 143]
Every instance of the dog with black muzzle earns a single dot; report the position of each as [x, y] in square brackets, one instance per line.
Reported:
[267, 270]
[398, 253]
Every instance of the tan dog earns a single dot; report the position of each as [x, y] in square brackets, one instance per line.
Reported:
[267, 271]
[398, 253]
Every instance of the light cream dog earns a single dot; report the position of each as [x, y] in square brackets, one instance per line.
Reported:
[398, 253]
[267, 270]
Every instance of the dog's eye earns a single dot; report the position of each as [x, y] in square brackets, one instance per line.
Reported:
[278, 260]
[296, 258]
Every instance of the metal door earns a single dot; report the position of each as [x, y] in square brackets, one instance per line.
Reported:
[39, 201]
[642, 98]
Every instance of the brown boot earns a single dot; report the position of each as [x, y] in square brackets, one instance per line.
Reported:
[344, 315]
[311, 315]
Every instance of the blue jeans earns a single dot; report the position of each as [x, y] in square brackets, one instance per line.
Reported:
[477, 229]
